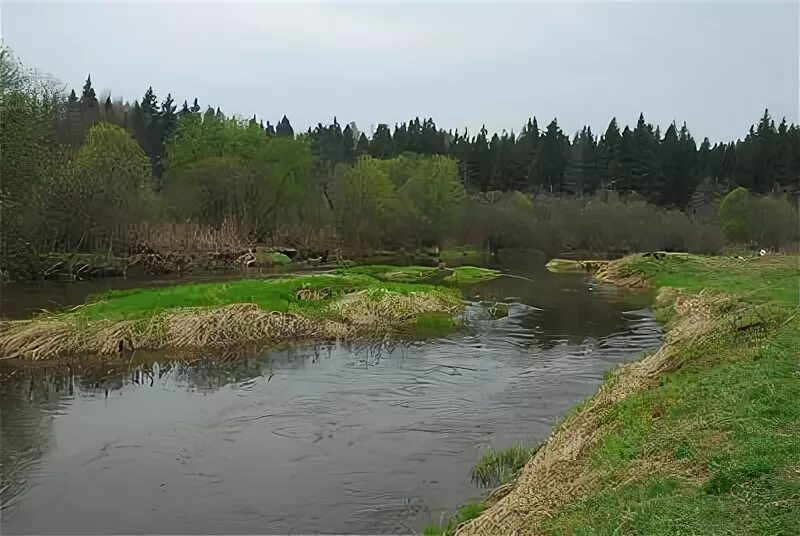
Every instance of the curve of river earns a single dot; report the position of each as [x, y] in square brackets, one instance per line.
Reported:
[375, 438]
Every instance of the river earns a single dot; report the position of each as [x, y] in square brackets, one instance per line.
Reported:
[359, 438]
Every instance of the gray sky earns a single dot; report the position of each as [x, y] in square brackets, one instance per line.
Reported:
[715, 65]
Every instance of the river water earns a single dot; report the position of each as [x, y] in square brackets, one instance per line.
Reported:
[360, 439]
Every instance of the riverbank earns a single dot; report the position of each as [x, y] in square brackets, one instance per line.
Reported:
[346, 304]
[700, 437]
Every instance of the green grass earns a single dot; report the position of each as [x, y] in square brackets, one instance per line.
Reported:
[466, 275]
[773, 278]
[715, 448]
[497, 467]
[269, 294]
[466, 512]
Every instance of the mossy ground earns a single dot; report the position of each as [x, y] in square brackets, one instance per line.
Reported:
[713, 446]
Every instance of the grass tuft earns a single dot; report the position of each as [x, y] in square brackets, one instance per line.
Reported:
[497, 467]
[465, 513]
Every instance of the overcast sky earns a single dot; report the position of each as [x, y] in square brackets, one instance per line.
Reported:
[715, 65]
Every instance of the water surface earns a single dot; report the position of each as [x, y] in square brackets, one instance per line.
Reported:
[366, 438]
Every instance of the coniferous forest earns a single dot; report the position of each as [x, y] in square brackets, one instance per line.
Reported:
[90, 174]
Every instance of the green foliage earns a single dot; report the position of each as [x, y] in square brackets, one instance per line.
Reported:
[27, 108]
[106, 187]
[320, 188]
[365, 201]
[767, 221]
[224, 169]
[436, 195]
[736, 215]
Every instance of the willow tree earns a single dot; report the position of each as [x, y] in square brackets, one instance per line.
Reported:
[365, 201]
[94, 198]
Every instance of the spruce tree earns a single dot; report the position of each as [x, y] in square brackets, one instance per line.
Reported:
[400, 138]
[88, 98]
[284, 128]
[382, 145]
[362, 147]
[608, 155]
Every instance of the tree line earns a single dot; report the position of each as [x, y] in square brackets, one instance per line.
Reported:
[665, 167]
[82, 173]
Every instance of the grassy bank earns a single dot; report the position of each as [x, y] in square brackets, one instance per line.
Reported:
[347, 304]
[702, 437]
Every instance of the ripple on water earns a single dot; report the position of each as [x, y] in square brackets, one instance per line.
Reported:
[343, 438]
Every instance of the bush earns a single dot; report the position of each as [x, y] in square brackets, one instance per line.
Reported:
[735, 215]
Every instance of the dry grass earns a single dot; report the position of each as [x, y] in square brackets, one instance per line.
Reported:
[370, 312]
[560, 472]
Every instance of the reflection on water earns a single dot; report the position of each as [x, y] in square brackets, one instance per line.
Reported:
[364, 438]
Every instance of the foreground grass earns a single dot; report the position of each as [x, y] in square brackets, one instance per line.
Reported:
[712, 445]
